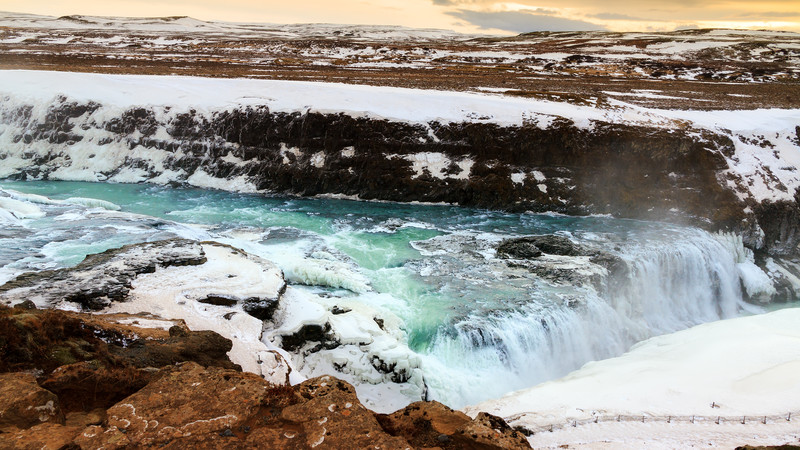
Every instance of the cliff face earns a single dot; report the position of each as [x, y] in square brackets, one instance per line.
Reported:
[631, 171]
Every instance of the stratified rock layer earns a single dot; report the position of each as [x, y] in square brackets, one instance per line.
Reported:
[626, 170]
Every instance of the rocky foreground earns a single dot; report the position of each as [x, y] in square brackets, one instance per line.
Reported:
[72, 380]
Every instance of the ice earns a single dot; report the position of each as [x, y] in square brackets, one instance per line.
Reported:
[324, 272]
[20, 209]
[92, 203]
[238, 184]
[385, 372]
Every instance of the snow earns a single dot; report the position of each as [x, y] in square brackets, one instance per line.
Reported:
[20, 209]
[172, 293]
[184, 25]
[731, 369]
[436, 164]
[361, 345]
[766, 151]
[202, 179]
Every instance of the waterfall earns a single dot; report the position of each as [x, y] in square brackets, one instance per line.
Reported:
[670, 285]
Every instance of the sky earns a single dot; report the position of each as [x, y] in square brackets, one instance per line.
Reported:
[469, 16]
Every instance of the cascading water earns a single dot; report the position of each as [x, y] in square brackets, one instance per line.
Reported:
[680, 280]
[477, 325]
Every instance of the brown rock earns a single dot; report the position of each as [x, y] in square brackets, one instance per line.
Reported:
[206, 348]
[45, 436]
[24, 404]
[84, 419]
[47, 339]
[437, 418]
[183, 401]
[490, 432]
[86, 386]
[332, 417]
[432, 424]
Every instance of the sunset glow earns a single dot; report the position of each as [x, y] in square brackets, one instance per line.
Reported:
[471, 16]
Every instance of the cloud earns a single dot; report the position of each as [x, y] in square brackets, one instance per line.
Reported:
[770, 14]
[521, 22]
[614, 16]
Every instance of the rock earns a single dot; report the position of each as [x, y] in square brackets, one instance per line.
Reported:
[84, 419]
[103, 277]
[533, 246]
[769, 447]
[431, 424]
[43, 436]
[331, 416]
[24, 404]
[630, 171]
[206, 348]
[262, 308]
[86, 386]
[178, 331]
[192, 407]
[48, 339]
[490, 432]
[441, 420]
[309, 333]
[183, 401]
[27, 304]
[518, 249]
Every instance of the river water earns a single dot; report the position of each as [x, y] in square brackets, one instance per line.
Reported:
[481, 326]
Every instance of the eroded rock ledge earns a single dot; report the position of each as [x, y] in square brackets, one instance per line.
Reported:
[677, 174]
[73, 380]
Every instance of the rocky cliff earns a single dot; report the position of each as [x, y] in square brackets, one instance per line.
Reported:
[682, 173]
[70, 380]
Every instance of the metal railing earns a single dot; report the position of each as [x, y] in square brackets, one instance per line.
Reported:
[645, 418]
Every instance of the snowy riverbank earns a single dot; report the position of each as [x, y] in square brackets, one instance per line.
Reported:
[693, 387]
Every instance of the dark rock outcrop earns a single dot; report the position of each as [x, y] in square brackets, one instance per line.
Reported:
[527, 247]
[91, 363]
[623, 170]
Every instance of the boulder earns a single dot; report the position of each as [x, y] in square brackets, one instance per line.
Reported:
[528, 247]
[45, 436]
[185, 400]
[330, 416]
[432, 424]
[24, 404]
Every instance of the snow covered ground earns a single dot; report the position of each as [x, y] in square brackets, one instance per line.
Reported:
[693, 387]
[188, 25]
